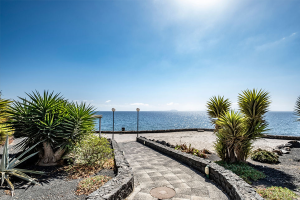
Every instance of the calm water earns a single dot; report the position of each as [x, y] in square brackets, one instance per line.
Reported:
[280, 123]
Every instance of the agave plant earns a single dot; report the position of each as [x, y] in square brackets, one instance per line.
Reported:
[52, 119]
[216, 107]
[8, 167]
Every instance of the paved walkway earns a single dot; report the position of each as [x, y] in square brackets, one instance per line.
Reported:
[153, 169]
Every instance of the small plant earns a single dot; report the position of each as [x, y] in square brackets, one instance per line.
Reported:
[264, 156]
[243, 170]
[7, 167]
[201, 154]
[91, 184]
[276, 193]
[206, 151]
[192, 150]
[92, 151]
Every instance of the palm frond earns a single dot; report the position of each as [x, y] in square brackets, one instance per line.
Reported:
[297, 107]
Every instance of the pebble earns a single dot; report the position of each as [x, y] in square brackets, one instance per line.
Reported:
[285, 152]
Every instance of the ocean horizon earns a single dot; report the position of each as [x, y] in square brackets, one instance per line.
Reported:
[280, 122]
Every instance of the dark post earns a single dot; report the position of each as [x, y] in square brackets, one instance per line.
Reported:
[137, 124]
[113, 123]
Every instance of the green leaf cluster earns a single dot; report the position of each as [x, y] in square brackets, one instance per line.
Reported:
[50, 118]
[236, 131]
[264, 156]
[92, 150]
[8, 166]
[216, 107]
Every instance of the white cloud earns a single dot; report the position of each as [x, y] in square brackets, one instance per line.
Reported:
[275, 43]
[107, 101]
[139, 104]
[172, 104]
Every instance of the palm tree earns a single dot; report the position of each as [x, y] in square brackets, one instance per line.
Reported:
[297, 107]
[216, 107]
[4, 116]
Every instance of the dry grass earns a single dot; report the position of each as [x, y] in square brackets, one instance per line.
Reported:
[91, 184]
[83, 171]
[191, 150]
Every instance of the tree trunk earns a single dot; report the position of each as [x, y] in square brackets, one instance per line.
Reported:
[49, 158]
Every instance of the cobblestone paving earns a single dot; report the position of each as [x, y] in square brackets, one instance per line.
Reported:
[153, 169]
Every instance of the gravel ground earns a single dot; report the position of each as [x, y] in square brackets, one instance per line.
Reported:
[284, 174]
[54, 185]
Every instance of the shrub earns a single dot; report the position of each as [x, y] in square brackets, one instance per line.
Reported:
[91, 184]
[264, 156]
[243, 170]
[51, 119]
[276, 193]
[92, 150]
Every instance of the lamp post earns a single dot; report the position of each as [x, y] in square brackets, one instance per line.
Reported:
[113, 122]
[137, 123]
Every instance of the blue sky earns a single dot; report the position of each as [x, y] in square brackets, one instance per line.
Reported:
[152, 54]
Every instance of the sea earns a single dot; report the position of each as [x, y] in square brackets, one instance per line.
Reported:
[280, 123]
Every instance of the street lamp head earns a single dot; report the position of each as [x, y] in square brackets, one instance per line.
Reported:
[113, 109]
[138, 109]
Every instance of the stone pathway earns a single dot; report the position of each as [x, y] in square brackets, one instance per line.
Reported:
[153, 169]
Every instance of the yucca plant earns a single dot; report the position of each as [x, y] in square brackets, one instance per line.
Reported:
[236, 131]
[52, 119]
[254, 105]
[8, 167]
[297, 108]
[216, 107]
[4, 116]
[232, 139]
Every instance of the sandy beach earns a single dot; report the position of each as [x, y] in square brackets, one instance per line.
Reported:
[198, 140]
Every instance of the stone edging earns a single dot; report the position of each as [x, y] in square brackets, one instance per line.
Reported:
[235, 187]
[120, 186]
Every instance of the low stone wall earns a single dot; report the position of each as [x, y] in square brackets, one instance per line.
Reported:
[282, 137]
[122, 185]
[159, 131]
[235, 187]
